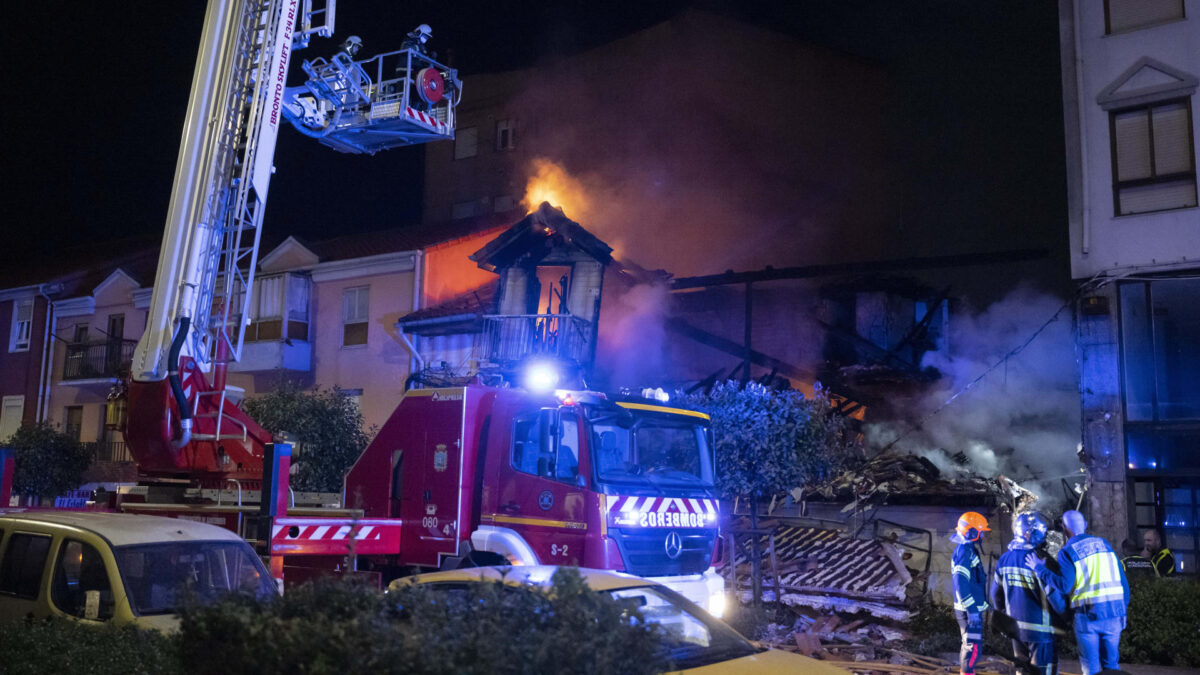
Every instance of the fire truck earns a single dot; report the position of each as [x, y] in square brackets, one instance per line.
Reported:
[467, 475]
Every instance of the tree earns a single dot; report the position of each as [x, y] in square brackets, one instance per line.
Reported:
[326, 425]
[769, 441]
[48, 462]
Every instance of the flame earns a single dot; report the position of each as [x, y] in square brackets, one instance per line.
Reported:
[549, 182]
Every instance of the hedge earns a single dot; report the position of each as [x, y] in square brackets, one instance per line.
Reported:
[340, 627]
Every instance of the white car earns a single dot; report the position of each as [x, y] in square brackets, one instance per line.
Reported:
[698, 642]
[118, 568]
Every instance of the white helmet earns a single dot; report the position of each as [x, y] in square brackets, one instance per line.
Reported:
[422, 32]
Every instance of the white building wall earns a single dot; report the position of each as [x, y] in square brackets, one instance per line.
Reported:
[1101, 241]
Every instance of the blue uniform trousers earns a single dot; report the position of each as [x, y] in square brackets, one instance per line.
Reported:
[1035, 658]
[1099, 641]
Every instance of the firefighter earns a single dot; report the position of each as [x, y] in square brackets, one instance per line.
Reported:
[1160, 556]
[417, 37]
[1018, 594]
[970, 592]
[350, 48]
[1093, 581]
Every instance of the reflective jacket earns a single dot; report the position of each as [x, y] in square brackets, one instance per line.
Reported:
[1091, 577]
[1017, 592]
[970, 579]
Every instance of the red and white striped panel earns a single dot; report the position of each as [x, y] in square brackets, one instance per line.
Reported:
[330, 536]
[663, 512]
[414, 115]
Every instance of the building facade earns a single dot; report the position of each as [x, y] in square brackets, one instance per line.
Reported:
[1130, 70]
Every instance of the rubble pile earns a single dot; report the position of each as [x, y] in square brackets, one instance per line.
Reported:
[911, 479]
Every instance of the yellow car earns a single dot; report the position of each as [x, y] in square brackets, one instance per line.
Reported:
[698, 642]
[118, 568]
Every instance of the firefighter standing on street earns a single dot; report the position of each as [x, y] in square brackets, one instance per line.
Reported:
[1019, 595]
[1092, 579]
[970, 592]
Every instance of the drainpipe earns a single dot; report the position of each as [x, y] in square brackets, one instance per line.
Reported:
[415, 364]
[1084, 169]
[45, 369]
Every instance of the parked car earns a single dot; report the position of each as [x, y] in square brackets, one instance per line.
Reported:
[118, 568]
[698, 642]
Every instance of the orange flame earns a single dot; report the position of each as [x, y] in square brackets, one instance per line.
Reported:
[549, 182]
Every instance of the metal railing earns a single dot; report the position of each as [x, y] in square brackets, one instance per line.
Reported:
[514, 337]
[88, 360]
[109, 451]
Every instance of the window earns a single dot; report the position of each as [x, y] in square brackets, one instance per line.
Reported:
[355, 397]
[1153, 165]
[80, 584]
[1126, 15]
[1172, 506]
[73, 421]
[504, 203]
[24, 561]
[506, 134]
[462, 210]
[1160, 345]
[533, 452]
[466, 143]
[12, 409]
[354, 316]
[22, 325]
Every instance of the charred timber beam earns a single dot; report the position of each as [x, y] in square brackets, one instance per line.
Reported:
[681, 327]
[867, 267]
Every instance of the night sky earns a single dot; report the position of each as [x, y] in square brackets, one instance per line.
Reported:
[97, 94]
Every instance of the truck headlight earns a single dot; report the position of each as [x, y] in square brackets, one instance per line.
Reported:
[716, 604]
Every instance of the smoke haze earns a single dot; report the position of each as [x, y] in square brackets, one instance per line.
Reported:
[1022, 419]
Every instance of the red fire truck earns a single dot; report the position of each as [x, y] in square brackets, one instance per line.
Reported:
[468, 475]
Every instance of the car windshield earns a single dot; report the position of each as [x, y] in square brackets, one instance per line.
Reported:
[654, 448]
[159, 576]
[692, 638]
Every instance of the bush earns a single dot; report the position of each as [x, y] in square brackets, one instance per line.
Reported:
[48, 462]
[65, 646]
[1163, 626]
[339, 627]
[327, 426]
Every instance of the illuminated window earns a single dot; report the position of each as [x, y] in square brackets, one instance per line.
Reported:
[1154, 168]
[1126, 15]
[506, 134]
[466, 143]
[355, 316]
[22, 325]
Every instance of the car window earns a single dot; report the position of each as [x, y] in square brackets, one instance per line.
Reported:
[80, 584]
[24, 560]
[158, 576]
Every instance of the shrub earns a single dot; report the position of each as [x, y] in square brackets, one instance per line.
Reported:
[1163, 626]
[65, 646]
[340, 627]
[48, 462]
[327, 426]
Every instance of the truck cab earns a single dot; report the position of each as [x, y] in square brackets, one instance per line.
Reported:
[487, 475]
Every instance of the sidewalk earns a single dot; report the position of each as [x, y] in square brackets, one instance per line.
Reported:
[1072, 666]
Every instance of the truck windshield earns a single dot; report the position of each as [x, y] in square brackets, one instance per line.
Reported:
[159, 576]
[651, 447]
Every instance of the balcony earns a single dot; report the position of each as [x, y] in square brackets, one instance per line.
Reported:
[98, 360]
[507, 339]
[108, 451]
[277, 336]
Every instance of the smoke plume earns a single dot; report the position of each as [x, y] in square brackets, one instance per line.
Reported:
[1021, 419]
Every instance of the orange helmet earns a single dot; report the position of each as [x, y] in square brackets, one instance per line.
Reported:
[971, 526]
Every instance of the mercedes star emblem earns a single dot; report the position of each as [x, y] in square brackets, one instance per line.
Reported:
[674, 545]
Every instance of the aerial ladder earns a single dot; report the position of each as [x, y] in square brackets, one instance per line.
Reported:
[181, 421]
